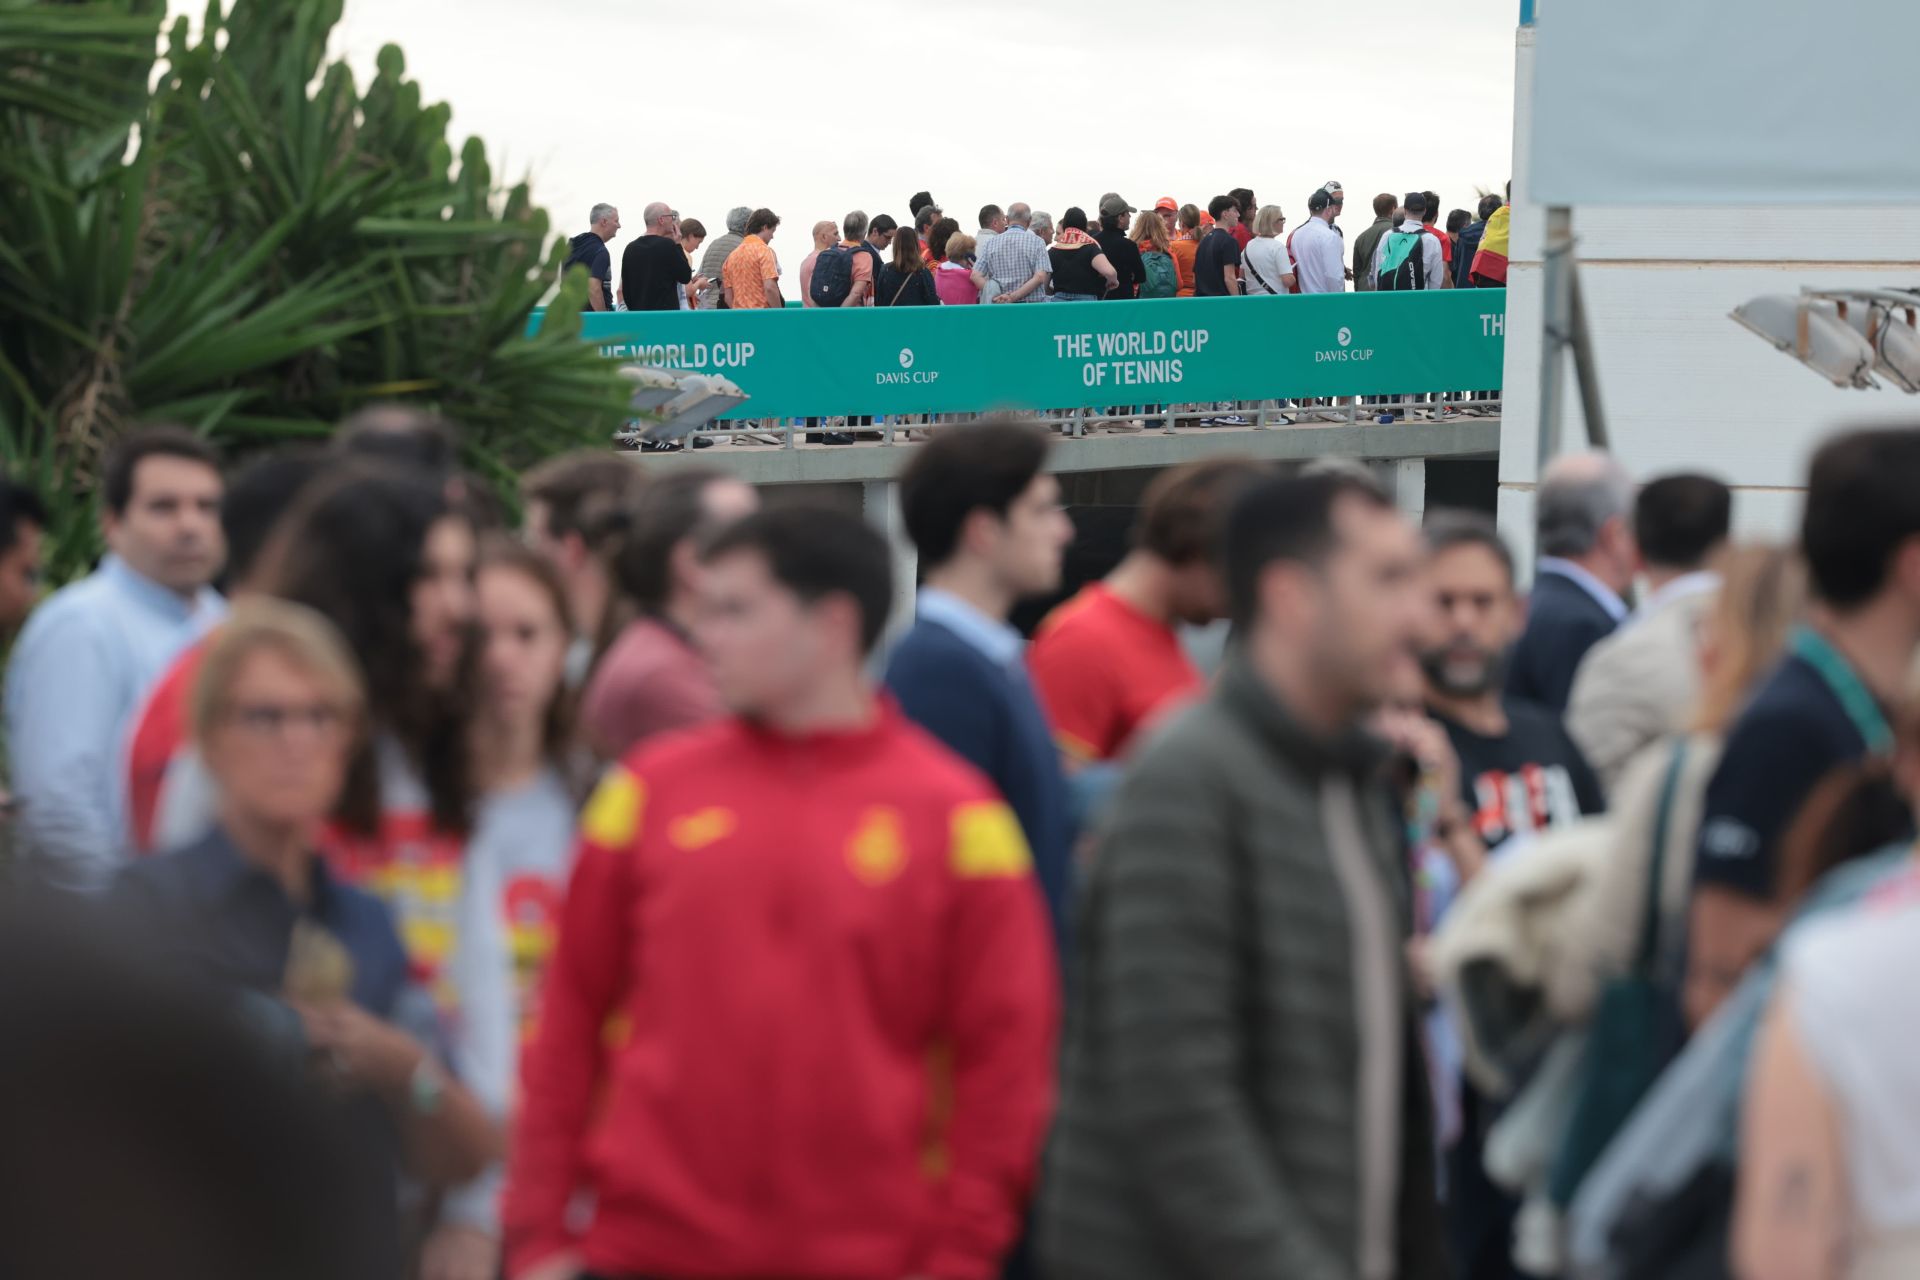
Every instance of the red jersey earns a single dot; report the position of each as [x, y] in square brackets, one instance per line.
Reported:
[835, 973]
[1103, 669]
[159, 738]
[1446, 242]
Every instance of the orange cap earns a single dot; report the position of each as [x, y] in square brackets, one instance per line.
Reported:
[1168, 203]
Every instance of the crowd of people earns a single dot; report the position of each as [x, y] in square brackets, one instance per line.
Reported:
[1232, 246]
[632, 904]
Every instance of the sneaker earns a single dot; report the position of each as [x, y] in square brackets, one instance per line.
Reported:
[839, 437]
[1328, 415]
[1447, 414]
[1228, 420]
[1121, 425]
[659, 446]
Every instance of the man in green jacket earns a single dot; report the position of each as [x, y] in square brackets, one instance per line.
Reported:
[1385, 216]
[1244, 1096]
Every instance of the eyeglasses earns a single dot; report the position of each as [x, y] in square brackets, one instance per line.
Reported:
[273, 719]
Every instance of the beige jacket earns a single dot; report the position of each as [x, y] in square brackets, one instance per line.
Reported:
[1638, 685]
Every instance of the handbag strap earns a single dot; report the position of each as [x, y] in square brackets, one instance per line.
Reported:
[1248, 259]
[1656, 866]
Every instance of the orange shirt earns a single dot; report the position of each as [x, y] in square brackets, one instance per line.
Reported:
[1104, 670]
[1183, 251]
[748, 269]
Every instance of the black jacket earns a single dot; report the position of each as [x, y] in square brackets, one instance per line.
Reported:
[1563, 622]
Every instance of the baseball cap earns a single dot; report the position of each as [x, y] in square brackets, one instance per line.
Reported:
[1319, 200]
[1335, 190]
[1167, 202]
[1206, 219]
[1112, 206]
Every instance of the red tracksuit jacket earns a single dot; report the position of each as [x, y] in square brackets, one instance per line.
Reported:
[840, 1001]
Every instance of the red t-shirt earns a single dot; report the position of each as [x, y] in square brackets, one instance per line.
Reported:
[1446, 243]
[1103, 669]
[159, 735]
[1242, 235]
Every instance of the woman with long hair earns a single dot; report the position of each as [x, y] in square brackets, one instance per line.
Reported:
[516, 865]
[907, 281]
[1161, 278]
[1185, 245]
[1081, 271]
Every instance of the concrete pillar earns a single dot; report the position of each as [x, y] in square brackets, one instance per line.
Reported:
[1405, 479]
[879, 503]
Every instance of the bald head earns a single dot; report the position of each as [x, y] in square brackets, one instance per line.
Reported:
[1020, 215]
[1583, 511]
[825, 235]
[659, 218]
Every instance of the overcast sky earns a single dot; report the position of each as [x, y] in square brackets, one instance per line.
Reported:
[813, 110]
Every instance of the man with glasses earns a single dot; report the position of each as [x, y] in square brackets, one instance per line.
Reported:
[654, 267]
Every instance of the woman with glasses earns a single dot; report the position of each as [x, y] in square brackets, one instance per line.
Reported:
[1269, 268]
[313, 966]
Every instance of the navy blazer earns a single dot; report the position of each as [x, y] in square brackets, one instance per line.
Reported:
[1563, 622]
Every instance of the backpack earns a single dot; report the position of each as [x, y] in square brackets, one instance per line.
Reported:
[1404, 263]
[832, 277]
[1161, 279]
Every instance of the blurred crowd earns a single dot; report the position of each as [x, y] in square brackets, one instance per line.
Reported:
[636, 894]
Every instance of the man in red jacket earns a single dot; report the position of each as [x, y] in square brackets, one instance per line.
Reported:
[819, 938]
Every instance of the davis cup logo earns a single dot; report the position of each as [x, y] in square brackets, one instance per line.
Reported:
[906, 357]
[1343, 351]
[907, 373]
[1344, 337]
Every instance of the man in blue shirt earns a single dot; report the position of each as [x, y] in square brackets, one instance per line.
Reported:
[90, 653]
[1582, 513]
[987, 522]
[589, 250]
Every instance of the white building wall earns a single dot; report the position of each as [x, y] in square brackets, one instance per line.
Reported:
[1683, 386]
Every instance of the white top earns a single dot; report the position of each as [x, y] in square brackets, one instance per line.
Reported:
[1856, 1008]
[1320, 257]
[1267, 261]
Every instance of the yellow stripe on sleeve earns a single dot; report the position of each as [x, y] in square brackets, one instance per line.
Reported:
[612, 817]
[987, 843]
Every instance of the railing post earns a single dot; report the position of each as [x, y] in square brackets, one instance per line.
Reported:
[880, 505]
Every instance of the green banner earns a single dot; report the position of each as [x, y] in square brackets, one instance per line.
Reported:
[877, 360]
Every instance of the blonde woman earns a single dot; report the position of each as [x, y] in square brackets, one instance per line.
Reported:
[1269, 268]
[1160, 278]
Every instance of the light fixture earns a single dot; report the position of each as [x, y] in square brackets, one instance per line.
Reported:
[1844, 335]
[675, 402]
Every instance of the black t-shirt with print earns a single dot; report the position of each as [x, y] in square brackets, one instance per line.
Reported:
[1532, 779]
[651, 271]
[1218, 251]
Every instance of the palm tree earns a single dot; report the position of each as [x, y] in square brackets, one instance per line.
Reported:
[232, 236]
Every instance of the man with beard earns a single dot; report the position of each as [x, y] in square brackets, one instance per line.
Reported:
[1520, 773]
[1520, 770]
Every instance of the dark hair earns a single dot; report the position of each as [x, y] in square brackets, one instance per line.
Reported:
[18, 503]
[762, 220]
[401, 433]
[352, 548]
[586, 492]
[1220, 204]
[1490, 205]
[907, 257]
[1414, 202]
[258, 498]
[1450, 529]
[556, 738]
[924, 218]
[1075, 216]
[673, 510]
[134, 448]
[943, 231]
[1183, 510]
[1861, 507]
[919, 201]
[1243, 197]
[984, 466]
[1384, 204]
[1318, 201]
[881, 224]
[1679, 519]
[1433, 204]
[1286, 518]
[1457, 221]
[693, 227]
[988, 212]
[816, 552]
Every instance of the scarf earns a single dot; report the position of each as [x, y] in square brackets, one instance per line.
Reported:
[1073, 238]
